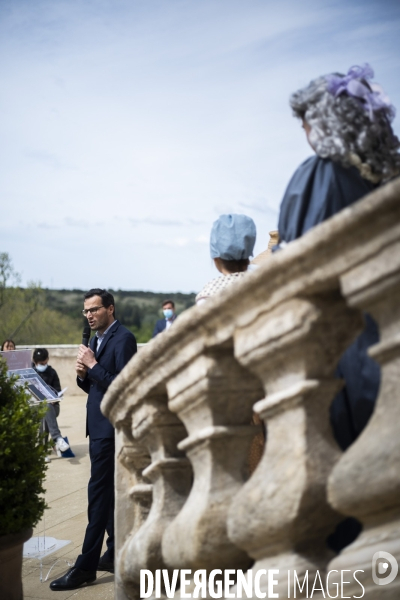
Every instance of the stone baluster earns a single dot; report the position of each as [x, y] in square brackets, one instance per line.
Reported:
[293, 349]
[365, 483]
[154, 427]
[133, 494]
[213, 396]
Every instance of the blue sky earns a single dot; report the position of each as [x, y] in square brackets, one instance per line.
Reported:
[129, 126]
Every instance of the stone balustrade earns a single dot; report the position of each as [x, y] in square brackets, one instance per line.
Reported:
[183, 406]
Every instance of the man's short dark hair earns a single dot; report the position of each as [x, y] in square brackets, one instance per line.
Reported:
[40, 354]
[107, 299]
[168, 302]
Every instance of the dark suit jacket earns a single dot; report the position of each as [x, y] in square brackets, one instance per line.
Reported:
[114, 353]
[161, 325]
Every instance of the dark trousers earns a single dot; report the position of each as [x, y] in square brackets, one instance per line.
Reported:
[101, 504]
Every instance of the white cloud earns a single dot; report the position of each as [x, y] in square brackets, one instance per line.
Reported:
[203, 239]
[156, 221]
[71, 222]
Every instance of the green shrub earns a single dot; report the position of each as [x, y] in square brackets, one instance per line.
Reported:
[22, 458]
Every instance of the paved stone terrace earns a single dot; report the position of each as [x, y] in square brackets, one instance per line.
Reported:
[66, 517]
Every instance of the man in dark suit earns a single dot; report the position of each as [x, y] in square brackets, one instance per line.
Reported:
[97, 366]
[168, 308]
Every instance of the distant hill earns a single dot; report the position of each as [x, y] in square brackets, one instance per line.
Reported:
[138, 311]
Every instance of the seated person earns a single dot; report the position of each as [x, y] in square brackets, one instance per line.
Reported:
[7, 345]
[231, 245]
[347, 122]
[49, 376]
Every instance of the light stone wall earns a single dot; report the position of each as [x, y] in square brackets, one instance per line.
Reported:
[182, 409]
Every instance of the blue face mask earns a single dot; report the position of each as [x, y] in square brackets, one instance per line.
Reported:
[41, 368]
[168, 313]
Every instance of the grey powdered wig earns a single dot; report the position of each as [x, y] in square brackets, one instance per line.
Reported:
[342, 130]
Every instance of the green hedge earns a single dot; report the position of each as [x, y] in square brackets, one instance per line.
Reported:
[22, 458]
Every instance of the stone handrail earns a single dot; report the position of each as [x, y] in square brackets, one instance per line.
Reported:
[182, 409]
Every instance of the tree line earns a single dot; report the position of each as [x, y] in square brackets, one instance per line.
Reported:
[36, 315]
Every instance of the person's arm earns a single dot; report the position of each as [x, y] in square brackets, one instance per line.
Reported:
[55, 383]
[82, 379]
[84, 384]
[124, 350]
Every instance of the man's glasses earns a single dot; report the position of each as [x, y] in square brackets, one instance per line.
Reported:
[92, 311]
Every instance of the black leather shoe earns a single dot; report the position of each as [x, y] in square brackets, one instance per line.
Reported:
[105, 565]
[73, 579]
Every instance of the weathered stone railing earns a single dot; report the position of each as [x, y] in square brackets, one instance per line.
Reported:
[182, 410]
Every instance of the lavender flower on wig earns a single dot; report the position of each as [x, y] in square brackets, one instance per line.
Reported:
[356, 84]
[350, 121]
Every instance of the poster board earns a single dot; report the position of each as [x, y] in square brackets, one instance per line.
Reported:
[19, 363]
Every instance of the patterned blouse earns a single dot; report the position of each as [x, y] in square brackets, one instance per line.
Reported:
[217, 285]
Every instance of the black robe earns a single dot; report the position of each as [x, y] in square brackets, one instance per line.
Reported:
[318, 190]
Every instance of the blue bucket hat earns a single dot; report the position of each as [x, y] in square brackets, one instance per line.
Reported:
[232, 237]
